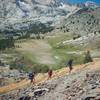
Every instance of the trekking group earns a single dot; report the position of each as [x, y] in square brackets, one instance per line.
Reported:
[69, 64]
[50, 71]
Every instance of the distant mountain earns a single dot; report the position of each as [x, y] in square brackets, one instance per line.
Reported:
[24, 15]
[82, 1]
[40, 16]
[90, 3]
[83, 22]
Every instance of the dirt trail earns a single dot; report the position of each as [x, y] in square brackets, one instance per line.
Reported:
[39, 49]
[40, 78]
[77, 86]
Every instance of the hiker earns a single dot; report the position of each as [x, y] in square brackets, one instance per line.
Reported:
[69, 64]
[32, 77]
[50, 72]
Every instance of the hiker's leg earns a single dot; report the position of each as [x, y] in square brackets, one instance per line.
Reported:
[49, 76]
[70, 69]
[33, 80]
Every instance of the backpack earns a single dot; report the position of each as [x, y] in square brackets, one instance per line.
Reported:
[31, 75]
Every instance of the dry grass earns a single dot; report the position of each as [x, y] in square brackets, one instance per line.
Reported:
[38, 50]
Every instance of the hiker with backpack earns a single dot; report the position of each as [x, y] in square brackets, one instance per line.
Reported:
[32, 77]
[50, 72]
[69, 65]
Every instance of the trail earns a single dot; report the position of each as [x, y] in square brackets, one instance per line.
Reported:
[41, 78]
[76, 86]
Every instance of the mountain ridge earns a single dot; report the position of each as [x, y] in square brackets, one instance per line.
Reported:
[29, 13]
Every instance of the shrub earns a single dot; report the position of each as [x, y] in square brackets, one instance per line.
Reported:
[88, 57]
[40, 68]
[13, 66]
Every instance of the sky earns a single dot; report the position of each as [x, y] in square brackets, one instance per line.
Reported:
[82, 1]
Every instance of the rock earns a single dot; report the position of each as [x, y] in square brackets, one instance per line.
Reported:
[97, 98]
[88, 98]
[39, 92]
[25, 98]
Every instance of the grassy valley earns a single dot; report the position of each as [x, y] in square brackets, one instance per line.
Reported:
[42, 54]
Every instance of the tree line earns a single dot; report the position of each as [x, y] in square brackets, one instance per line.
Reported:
[6, 43]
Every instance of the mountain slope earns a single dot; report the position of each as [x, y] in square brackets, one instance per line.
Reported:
[60, 84]
[17, 15]
[83, 22]
[81, 85]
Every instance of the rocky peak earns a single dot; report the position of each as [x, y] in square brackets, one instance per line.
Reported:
[22, 13]
[90, 3]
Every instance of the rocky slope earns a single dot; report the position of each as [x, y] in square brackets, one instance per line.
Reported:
[83, 22]
[23, 15]
[33, 8]
[8, 76]
[82, 84]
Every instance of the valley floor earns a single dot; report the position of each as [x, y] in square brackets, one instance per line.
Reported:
[38, 49]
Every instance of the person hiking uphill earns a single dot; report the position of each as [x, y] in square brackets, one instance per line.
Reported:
[50, 72]
[32, 77]
[69, 64]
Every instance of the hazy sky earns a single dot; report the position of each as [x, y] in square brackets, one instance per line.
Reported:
[82, 1]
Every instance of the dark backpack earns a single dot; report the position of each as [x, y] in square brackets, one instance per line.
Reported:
[70, 62]
[31, 75]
